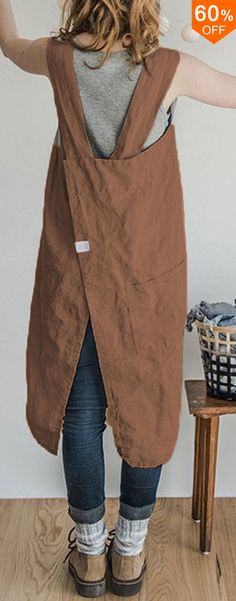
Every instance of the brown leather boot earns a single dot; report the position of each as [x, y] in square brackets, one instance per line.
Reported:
[126, 571]
[88, 571]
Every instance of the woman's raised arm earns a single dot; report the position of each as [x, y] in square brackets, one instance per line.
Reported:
[29, 55]
[196, 79]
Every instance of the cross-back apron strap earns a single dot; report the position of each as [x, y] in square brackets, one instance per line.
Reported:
[161, 65]
[151, 87]
[72, 127]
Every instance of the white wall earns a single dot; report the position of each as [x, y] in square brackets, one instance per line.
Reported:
[206, 143]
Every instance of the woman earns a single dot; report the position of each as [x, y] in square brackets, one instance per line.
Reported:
[116, 31]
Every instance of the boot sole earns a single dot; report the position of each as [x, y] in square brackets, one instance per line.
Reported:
[126, 589]
[87, 589]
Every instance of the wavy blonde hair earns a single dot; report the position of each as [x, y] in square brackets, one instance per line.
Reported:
[136, 23]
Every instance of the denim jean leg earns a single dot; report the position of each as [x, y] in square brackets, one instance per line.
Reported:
[86, 516]
[131, 512]
[82, 445]
[138, 490]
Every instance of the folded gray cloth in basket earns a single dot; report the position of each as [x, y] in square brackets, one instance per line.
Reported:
[220, 314]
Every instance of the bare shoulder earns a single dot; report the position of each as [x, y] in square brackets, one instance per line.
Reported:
[37, 56]
[184, 71]
[199, 80]
[188, 67]
[28, 55]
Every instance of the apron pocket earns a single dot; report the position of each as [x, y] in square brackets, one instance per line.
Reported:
[157, 311]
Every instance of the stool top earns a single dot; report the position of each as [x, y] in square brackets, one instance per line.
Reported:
[202, 404]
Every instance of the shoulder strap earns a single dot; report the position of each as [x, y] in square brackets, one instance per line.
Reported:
[161, 67]
[68, 114]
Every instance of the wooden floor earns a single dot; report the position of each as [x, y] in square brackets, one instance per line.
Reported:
[33, 539]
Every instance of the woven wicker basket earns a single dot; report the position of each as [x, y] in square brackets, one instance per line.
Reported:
[218, 352]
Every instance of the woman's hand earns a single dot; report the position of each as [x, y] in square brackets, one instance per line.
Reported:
[29, 55]
[199, 81]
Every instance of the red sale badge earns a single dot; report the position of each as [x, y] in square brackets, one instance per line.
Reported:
[214, 21]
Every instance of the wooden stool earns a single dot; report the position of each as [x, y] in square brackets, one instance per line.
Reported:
[207, 410]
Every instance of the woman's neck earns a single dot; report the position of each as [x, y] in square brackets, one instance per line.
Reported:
[87, 38]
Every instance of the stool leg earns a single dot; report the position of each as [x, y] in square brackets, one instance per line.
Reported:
[197, 472]
[210, 440]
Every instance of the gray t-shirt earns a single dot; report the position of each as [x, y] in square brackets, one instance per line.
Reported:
[106, 94]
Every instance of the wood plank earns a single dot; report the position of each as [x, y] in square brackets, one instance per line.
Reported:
[200, 403]
[33, 535]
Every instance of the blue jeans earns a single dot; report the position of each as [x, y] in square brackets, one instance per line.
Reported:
[82, 449]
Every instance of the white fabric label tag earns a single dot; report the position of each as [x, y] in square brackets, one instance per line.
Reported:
[82, 246]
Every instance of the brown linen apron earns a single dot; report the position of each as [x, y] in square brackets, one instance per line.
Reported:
[113, 247]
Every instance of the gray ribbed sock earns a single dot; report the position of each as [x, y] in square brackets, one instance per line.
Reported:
[91, 538]
[130, 535]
